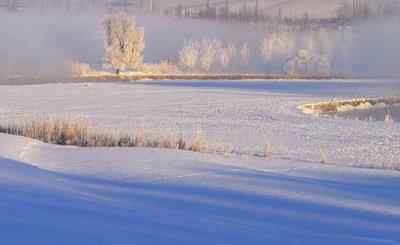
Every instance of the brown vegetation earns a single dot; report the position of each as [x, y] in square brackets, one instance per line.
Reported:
[76, 132]
[332, 107]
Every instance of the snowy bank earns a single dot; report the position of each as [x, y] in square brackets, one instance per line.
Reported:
[332, 107]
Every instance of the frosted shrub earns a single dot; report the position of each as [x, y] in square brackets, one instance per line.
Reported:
[306, 62]
[189, 55]
[224, 58]
[197, 143]
[277, 46]
[212, 55]
[208, 53]
[245, 54]
[324, 157]
[267, 150]
[164, 67]
[232, 50]
[80, 69]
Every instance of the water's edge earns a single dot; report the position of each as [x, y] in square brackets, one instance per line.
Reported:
[372, 109]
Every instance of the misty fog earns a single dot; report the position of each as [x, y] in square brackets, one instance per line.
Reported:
[37, 44]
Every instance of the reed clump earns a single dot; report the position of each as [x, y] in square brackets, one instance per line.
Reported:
[76, 132]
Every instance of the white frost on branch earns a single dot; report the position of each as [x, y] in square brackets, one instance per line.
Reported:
[277, 45]
[307, 63]
[214, 55]
[124, 42]
[208, 53]
[245, 54]
[189, 55]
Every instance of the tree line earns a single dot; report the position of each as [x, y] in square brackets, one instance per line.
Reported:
[281, 51]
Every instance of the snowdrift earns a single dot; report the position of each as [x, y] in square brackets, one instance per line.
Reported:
[148, 196]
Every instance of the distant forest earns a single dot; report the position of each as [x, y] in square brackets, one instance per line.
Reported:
[220, 10]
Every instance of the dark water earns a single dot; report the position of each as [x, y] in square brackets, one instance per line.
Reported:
[375, 114]
[321, 88]
[313, 88]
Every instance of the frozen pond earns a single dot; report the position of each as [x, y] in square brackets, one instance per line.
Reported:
[324, 88]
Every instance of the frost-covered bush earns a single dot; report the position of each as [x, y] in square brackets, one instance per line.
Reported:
[245, 54]
[189, 55]
[306, 62]
[209, 49]
[164, 67]
[80, 69]
[212, 55]
[167, 67]
[277, 45]
[124, 42]
[301, 52]
[201, 55]
[197, 143]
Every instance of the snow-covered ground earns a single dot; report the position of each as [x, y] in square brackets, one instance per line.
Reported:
[387, 113]
[243, 115]
[53, 194]
[68, 195]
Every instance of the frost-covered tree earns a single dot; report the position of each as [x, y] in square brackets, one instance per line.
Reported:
[306, 62]
[232, 50]
[245, 54]
[227, 55]
[124, 42]
[189, 55]
[214, 55]
[224, 57]
[277, 46]
[300, 63]
[208, 53]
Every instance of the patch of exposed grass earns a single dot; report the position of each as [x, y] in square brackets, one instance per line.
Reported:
[76, 132]
[332, 107]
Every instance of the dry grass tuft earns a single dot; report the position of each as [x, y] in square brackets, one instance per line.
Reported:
[54, 131]
[76, 132]
[324, 156]
[267, 150]
[197, 141]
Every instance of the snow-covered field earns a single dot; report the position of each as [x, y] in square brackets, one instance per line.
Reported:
[68, 195]
[387, 113]
[244, 116]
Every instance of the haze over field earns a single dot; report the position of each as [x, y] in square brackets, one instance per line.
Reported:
[40, 43]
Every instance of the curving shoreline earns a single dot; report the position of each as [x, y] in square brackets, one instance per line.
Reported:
[333, 107]
[156, 77]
